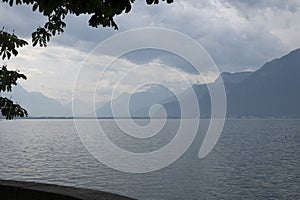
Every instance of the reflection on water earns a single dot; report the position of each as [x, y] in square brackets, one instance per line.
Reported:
[254, 159]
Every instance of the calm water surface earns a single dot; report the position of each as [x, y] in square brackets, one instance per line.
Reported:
[254, 159]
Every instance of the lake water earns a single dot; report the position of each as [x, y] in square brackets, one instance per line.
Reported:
[253, 159]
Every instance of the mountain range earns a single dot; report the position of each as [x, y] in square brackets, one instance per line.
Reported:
[271, 91]
[139, 102]
[37, 104]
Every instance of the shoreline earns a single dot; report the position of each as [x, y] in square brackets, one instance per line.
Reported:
[132, 118]
[21, 190]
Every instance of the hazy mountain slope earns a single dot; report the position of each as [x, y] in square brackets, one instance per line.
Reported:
[271, 91]
[37, 104]
[119, 102]
[202, 94]
[139, 102]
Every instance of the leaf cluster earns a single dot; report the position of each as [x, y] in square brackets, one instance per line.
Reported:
[10, 110]
[102, 13]
[9, 78]
[9, 44]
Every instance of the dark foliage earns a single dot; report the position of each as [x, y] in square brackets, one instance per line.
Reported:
[101, 12]
[8, 108]
[9, 44]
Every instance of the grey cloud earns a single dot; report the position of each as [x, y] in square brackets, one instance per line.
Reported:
[77, 30]
[291, 5]
[233, 47]
[145, 56]
[21, 19]
[234, 50]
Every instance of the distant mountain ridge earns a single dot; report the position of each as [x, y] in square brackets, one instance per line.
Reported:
[271, 91]
[138, 103]
[202, 94]
[37, 104]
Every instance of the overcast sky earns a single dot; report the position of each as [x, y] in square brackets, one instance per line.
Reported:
[239, 35]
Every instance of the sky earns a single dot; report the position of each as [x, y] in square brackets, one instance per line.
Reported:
[238, 35]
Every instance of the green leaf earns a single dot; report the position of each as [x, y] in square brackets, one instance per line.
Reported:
[11, 2]
[8, 55]
[35, 6]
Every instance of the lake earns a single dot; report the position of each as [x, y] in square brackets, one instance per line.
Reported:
[253, 159]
